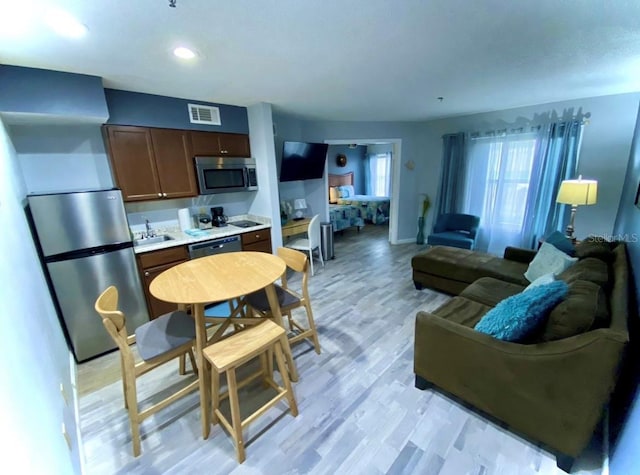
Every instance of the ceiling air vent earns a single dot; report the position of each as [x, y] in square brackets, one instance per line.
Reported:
[204, 114]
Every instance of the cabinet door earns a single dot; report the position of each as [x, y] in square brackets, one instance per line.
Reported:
[217, 144]
[261, 246]
[234, 145]
[257, 241]
[205, 144]
[174, 162]
[133, 162]
[156, 307]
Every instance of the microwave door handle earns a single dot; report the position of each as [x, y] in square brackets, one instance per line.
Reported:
[245, 172]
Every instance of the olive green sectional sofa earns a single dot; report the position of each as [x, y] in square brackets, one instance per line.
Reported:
[553, 387]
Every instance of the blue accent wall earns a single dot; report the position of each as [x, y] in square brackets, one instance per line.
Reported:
[355, 164]
[56, 93]
[149, 110]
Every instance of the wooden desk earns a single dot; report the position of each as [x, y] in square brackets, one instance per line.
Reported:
[220, 278]
[295, 227]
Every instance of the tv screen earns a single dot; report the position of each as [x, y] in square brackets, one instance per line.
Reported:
[302, 161]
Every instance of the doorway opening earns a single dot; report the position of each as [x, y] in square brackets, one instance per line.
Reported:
[395, 148]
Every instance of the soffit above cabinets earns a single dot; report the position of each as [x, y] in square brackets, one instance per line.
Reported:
[21, 118]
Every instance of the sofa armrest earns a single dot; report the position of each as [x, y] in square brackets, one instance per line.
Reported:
[553, 391]
[519, 254]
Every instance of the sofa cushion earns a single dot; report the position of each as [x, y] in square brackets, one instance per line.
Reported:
[548, 260]
[463, 265]
[594, 246]
[455, 263]
[584, 308]
[591, 269]
[520, 316]
[490, 291]
[463, 311]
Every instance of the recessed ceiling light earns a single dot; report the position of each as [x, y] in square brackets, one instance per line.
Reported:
[16, 19]
[65, 24]
[184, 53]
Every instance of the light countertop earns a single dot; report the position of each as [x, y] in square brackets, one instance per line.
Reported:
[180, 239]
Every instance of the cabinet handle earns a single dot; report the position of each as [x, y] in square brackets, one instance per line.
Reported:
[223, 151]
[146, 274]
[164, 194]
[160, 195]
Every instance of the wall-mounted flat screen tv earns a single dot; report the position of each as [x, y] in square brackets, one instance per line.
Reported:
[303, 161]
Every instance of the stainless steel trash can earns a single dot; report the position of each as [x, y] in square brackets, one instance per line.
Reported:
[326, 240]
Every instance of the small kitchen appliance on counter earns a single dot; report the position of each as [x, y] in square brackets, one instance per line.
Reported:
[203, 221]
[219, 219]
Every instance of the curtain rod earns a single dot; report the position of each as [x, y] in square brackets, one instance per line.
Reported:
[520, 130]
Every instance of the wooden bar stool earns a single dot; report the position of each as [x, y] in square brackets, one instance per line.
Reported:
[227, 355]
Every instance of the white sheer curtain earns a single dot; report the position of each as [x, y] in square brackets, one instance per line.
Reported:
[510, 180]
[378, 181]
[498, 173]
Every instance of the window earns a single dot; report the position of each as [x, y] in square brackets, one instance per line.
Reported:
[508, 178]
[379, 174]
[498, 180]
[510, 181]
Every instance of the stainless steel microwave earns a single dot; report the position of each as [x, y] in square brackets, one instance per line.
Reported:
[226, 174]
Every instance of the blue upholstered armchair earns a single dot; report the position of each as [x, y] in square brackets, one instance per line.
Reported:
[455, 230]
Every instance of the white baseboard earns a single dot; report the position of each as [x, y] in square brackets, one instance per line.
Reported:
[405, 241]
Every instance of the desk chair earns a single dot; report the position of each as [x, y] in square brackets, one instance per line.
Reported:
[289, 299]
[311, 242]
[158, 341]
[455, 230]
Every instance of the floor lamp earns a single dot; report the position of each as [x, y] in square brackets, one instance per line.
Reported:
[577, 193]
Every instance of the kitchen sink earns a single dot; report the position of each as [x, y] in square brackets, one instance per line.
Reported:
[151, 240]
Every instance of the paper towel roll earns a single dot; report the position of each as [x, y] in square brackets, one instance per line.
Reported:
[184, 218]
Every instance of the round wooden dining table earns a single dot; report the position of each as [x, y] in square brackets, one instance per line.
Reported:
[220, 278]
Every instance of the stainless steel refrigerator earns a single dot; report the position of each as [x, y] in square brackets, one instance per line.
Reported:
[86, 246]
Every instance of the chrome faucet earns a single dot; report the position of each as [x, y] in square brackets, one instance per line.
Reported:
[150, 233]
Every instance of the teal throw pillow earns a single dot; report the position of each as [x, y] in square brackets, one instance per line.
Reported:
[561, 242]
[543, 279]
[522, 315]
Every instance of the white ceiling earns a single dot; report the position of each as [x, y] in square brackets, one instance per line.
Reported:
[342, 59]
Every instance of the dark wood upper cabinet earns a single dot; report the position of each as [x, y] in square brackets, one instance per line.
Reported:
[133, 161]
[220, 145]
[174, 162]
[234, 145]
[151, 164]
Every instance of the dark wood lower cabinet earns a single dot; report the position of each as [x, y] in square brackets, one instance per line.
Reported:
[150, 265]
[257, 241]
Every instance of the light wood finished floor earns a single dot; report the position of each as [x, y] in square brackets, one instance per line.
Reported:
[359, 410]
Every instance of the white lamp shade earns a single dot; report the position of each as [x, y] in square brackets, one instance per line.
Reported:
[300, 203]
[578, 192]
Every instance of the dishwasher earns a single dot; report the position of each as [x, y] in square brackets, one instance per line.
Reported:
[211, 248]
[215, 246]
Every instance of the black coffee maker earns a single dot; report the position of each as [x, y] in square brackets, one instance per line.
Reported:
[218, 217]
